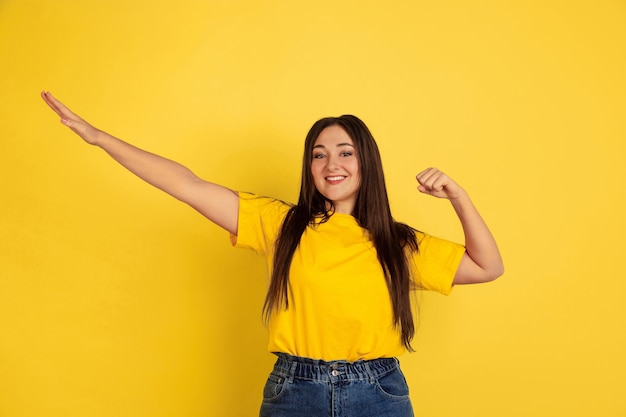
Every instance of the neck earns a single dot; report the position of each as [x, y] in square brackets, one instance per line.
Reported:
[340, 208]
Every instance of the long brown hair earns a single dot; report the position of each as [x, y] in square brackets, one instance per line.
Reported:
[393, 241]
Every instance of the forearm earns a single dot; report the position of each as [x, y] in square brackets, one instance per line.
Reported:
[480, 244]
[165, 174]
[217, 203]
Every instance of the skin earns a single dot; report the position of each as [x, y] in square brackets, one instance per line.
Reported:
[336, 173]
[335, 168]
[482, 261]
[218, 204]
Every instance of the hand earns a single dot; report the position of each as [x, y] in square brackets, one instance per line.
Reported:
[436, 183]
[482, 261]
[71, 120]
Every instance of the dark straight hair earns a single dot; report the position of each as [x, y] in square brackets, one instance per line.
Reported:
[394, 241]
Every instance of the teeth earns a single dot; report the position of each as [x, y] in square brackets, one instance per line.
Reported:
[335, 178]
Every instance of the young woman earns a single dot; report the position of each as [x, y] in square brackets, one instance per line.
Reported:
[338, 305]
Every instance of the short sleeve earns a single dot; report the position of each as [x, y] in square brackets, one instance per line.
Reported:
[259, 220]
[436, 262]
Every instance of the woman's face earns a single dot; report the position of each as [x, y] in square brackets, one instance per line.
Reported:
[335, 168]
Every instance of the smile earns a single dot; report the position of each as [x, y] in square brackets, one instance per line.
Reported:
[336, 178]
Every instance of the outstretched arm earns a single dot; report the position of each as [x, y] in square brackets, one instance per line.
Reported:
[217, 203]
[482, 261]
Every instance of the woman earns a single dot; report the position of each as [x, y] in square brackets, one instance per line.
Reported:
[342, 270]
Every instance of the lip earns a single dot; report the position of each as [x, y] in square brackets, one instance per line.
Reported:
[335, 179]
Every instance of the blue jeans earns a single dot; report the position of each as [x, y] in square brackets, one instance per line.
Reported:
[302, 387]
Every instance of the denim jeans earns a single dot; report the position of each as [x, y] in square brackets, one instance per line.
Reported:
[302, 387]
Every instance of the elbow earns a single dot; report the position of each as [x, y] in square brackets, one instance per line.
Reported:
[494, 273]
[490, 273]
[470, 272]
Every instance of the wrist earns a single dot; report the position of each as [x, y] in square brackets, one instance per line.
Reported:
[96, 137]
[460, 200]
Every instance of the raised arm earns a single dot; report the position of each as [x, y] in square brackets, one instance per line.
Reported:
[482, 261]
[218, 204]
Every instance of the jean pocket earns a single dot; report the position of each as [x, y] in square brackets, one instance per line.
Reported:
[393, 385]
[274, 387]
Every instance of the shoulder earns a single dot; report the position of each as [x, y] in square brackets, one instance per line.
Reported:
[250, 203]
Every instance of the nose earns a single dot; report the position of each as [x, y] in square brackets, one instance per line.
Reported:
[333, 163]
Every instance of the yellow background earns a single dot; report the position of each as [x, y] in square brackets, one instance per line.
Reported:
[116, 300]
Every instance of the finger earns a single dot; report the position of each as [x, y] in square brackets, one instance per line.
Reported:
[440, 181]
[62, 108]
[429, 178]
[425, 175]
[67, 116]
[47, 97]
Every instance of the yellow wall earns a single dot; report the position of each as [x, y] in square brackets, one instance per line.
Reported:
[116, 300]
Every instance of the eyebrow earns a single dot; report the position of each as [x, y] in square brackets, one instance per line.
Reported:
[338, 145]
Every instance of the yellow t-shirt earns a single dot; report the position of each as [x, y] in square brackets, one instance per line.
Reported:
[339, 305]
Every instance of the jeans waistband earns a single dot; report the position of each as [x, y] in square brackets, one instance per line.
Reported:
[295, 367]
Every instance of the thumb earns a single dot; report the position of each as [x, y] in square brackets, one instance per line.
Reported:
[423, 189]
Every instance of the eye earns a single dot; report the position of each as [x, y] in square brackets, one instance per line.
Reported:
[346, 153]
[318, 155]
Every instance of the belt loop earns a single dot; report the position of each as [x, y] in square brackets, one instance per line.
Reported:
[292, 371]
[369, 372]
